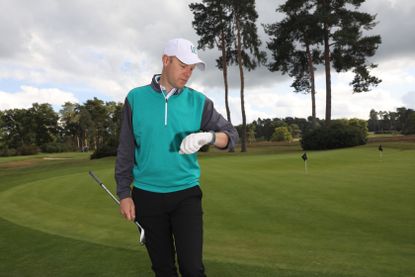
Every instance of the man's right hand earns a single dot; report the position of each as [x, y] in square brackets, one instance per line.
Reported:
[127, 208]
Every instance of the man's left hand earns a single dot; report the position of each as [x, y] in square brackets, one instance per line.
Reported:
[193, 142]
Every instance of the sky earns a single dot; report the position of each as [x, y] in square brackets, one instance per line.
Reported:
[54, 51]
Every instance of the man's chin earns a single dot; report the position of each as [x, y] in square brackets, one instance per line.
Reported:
[180, 85]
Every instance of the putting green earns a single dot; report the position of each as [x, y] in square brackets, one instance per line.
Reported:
[352, 214]
[69, 206]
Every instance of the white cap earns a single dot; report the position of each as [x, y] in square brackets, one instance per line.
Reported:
[185, 51]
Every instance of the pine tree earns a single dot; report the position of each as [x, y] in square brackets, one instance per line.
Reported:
[246, 52]
[345, 44]
[338, 26]
[212, 24]
[295, 47]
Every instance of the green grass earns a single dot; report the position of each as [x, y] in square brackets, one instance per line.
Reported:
[352, 214]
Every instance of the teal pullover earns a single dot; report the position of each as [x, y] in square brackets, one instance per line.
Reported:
[152, 130]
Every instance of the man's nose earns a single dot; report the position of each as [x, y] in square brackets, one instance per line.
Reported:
[188, 71]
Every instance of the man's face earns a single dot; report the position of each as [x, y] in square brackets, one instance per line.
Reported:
[177, 73]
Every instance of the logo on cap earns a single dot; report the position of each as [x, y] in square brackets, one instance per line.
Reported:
[193, 49]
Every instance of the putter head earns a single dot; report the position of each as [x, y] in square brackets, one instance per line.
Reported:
[142, 233]
[142, 237]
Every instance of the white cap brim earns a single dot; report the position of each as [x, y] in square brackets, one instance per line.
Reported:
[185, 51]
[193, 60]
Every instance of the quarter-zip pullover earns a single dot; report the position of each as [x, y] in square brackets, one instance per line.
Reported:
[154, 124]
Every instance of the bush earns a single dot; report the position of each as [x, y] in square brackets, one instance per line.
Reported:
[338, 134]
[294, 130]
[362, 125]
[281, 134]
[104, 151]
[8, 152]
[55, 147]
[28, 149]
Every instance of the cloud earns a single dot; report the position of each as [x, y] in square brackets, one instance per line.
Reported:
[28, 95]
[409, 99]
[395, 24]
[110, 47]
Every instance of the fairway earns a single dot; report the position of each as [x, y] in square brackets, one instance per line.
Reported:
[351, 214]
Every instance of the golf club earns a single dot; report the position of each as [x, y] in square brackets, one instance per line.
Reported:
[141, 229]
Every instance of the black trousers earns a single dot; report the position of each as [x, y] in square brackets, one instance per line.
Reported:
[173, 224]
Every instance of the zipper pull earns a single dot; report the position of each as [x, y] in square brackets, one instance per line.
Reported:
[165, 111]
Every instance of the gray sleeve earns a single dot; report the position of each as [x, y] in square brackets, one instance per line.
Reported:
[125, 154]
[214, 121]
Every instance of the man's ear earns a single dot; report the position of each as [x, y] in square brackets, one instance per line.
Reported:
[165, 59]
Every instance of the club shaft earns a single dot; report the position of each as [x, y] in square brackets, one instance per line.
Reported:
[109, 193]
[104, 187]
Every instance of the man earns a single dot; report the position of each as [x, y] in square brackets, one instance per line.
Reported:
[164, 124]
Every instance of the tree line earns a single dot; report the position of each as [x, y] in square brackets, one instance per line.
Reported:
[313, 32]
[400, 121]
[92, 126]
[95, 126]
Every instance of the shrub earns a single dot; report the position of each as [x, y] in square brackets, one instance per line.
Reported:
[294, 130]
[55, 147]
[362, 125]
[339, 134]
[8, 152]
[281, 134]
[104, 151]
[28, 149]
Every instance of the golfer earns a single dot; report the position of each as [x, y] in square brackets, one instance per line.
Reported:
[164, 124]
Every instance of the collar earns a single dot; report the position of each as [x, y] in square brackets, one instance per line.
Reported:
[155, 84]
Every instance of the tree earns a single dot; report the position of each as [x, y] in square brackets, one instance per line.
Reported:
[97, 116]
[93, 124]
[246, 54]
[345, 44]
[410, 124]
[251, 133]
[212, 24]
[113, 123]
[44, 123]
[17, 128]
[382, 115]
[69, 117]
[2, 132]
[338, 26]
[403, 115]
[294, 130]
[294, 43]
[263, 128]
[384, 121]
[373, 123]
[24, 130]
[86, 127]
[393, 117]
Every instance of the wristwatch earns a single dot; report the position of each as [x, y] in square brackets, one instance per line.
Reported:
[213, 137]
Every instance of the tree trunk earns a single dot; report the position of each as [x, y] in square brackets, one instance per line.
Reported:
[241, 73]
[225, 76]
[313, 85]
[327, 69]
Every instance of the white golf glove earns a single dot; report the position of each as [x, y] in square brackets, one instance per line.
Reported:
[193, 142]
